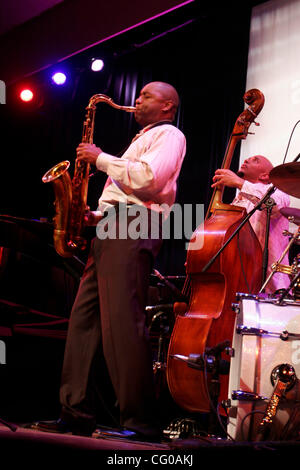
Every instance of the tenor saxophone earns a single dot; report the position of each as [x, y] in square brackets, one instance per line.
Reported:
[71, 195]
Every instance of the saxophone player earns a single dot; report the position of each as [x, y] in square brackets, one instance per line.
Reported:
[108, 315]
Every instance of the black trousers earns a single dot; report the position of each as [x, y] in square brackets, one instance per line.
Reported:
[109, 315]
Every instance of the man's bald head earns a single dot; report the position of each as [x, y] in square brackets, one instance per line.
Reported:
[256, 169]
[157, 101]
[167, 91]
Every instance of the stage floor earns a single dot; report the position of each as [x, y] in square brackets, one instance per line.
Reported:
[26, 445]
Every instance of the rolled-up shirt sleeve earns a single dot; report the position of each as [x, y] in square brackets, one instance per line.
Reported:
[158, 162]
[130, 175]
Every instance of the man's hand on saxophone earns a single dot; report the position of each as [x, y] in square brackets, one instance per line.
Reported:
[88, 153]
[91, 218]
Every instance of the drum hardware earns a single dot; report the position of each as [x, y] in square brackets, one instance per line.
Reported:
[293, 215]
[284, 378]
[287, 233]
[183, 428]
[294, 286]
[285, 373]
[284, 335]
[265, 298]
[235, 307]
[287, 301]
[277, 267]
[286, 178]
[267, 348]
[242, 395]
[242, 295]
[282, 268]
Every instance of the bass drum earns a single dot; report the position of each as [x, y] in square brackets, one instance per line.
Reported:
[266, 336]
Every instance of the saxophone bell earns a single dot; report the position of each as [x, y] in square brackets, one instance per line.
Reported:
[56, 172]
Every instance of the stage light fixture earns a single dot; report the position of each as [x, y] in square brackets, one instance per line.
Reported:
[59, 78]
[97, 65]
[26, 95]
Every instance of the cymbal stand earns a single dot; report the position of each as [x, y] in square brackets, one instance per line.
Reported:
[270, 203]
[286, 291]
[277, 267]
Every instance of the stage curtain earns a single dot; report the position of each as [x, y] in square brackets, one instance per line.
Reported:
[205, 59]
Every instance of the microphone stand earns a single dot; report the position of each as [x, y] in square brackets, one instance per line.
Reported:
[210, 362]
[262, 201]
[175, 291]
[270, 203]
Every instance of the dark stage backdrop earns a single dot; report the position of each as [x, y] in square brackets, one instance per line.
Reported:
[205, 59]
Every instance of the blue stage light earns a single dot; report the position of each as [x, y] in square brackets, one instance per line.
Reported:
[59, 78]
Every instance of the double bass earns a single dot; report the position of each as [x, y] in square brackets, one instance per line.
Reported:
[208, 319]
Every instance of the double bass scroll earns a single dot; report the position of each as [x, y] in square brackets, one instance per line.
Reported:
[209, 318]
[255, 101]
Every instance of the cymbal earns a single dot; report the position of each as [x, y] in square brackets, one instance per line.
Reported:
[286, 177]
[291, 213]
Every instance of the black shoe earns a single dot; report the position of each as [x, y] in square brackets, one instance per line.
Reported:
[125, 433]
[105, 432]
[61, 427]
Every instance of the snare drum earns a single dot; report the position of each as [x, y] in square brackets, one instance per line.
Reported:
[266, 335]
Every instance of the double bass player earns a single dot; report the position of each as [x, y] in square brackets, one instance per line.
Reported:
[252, 182]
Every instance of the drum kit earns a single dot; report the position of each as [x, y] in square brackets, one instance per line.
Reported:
[264, 379]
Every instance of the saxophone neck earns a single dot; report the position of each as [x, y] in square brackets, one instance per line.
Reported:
[100, 98]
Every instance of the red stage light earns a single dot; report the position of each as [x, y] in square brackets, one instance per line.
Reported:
[26, 95]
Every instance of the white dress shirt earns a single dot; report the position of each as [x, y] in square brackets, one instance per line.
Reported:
[248, 197]
[147, 172]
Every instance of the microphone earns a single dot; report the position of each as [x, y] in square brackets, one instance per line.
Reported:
[171, 286]
[159, 308]
[216, 350]
[197, 361]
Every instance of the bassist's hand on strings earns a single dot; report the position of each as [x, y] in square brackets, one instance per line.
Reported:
[227, 178]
